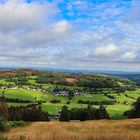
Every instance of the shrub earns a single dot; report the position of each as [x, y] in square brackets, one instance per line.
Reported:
[68, 102]
[55, 101]
[18, 124]
[64, 114]
[108, 102]
[4, 127]
[3, 138]
[135, 112]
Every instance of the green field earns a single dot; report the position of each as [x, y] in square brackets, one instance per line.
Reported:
[116, 111]
[134, 94]
[123, 100]
[4, 82]
[22, 94]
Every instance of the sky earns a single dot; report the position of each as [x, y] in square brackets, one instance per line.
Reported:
[70, 34]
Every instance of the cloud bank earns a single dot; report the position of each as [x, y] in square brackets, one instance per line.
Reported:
[74, 34]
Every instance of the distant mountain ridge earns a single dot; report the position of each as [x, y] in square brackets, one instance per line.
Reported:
[70, 70]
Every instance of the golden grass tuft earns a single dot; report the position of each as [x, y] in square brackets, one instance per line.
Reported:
[71, 80]
[89, 130]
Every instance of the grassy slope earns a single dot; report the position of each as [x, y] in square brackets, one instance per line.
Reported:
[89, 130]
[22, 94]
[4, 82]
[115, 111]
[134, 94]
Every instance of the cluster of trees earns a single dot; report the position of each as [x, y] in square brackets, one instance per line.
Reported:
[51, 77]
[19, 72]
[53, 80]
[31, 112]
[108, 102]
[84, 114]
[3, 115]
[135, 112]
[55, 101]
[129, 96]
[110, 96]
[91, 81]
[20, 80]
[16, 100]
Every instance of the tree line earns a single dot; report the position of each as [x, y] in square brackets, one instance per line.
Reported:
[107, 102]
[83, 114]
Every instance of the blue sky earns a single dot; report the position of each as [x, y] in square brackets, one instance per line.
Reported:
[70, 34]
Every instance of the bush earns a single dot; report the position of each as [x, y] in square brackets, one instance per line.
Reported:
[135, 112]
[68, 102]
[4, 127]
[109, 102]
[18, 124]
[55, 101]
[3, 138]
[64, 114]
[27, 114]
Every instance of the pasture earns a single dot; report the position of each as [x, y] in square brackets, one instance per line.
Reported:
[123, 100]
[115, 111]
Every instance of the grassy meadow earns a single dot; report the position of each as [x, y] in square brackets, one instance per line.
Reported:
[115, 111]
[22, 94]
[88, 130]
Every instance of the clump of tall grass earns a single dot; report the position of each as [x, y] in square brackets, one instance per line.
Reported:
[3, 138]
[88, 130]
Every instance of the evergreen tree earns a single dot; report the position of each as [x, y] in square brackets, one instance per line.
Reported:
[3, 108]
[137, 108]
[64, 114]
[135, 112]
[3, 114]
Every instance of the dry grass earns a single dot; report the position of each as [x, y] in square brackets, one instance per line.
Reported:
[71, 80]
[90, 130]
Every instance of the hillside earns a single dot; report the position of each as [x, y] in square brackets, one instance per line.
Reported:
[89, 130]
[52, 90]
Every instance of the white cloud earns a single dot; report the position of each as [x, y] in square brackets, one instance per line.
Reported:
[27, 32]
[108, 50]
[15, 14]
[61, 26]
[128, 56]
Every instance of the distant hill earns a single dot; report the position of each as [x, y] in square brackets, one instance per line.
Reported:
[132, 76]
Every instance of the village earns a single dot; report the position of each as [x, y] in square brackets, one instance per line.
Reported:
[56, 91]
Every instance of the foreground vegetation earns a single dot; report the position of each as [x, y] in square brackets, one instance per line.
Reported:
[89, 130]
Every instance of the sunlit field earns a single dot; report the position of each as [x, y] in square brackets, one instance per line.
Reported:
[115, 111]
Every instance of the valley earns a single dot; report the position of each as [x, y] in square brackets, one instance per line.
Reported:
[53, 90]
